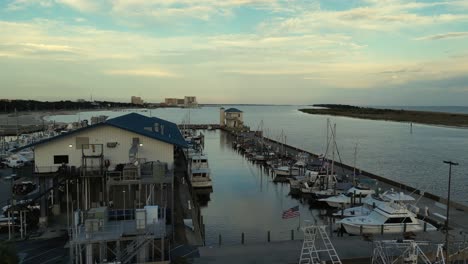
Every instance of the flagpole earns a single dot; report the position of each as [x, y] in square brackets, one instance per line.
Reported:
[299, 226]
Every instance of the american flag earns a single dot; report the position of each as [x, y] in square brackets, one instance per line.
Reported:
[291, 212]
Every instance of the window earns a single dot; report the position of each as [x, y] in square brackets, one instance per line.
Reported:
[398, 220]
[82, 143]
[60, 159]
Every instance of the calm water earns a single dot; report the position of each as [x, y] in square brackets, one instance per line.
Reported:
[384, 148]
[245, 199]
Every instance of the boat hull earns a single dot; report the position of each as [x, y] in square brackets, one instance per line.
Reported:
[202, 184]
[355, 229]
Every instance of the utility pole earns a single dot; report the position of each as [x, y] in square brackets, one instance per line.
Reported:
[450, 163]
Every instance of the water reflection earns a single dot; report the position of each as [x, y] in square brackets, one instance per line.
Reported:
[245, 199]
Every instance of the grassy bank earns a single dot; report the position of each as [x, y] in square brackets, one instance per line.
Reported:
[422, 117]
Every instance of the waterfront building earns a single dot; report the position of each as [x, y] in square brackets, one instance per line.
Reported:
[170, 101]
[231, 118]
[136, 100]
[190, 101]
[187, 101]
[118, 175]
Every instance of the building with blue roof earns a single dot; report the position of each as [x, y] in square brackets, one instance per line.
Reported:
[118, 140]
[231, 118]
[119, 165]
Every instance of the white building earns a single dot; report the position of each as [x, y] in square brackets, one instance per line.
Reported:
[150, 139]
[123, 183]
[231, 118]
[136, 100]
[190, 101]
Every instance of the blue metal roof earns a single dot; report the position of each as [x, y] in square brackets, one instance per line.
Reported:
[233, 110]
[151, 127]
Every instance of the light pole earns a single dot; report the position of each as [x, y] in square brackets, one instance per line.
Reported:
[124, 203]
[450, 163]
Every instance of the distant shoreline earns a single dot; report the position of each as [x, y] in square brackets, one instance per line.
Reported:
[408, 116]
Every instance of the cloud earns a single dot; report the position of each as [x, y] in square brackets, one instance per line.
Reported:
[373, 15]
[142, 73]
[80, 5]
[445, 36]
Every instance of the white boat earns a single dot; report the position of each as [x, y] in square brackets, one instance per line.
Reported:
[345, 199]
[371, 201]
[200, 172]
[392, 217]
[296, 182]
[323, 186]
[286, 171]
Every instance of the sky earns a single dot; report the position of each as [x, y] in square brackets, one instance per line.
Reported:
[366, 52]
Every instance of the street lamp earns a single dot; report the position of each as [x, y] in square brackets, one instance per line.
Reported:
[450, 163]
[124, 203]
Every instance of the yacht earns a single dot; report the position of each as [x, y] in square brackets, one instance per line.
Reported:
[345, 199]
[392, 217]
[371, 201]
[200, 172]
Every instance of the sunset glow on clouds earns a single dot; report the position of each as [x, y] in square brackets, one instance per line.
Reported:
[387, 52]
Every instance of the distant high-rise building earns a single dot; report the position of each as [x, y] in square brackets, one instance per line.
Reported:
[170, 101]
[136, 100]
[190, 101]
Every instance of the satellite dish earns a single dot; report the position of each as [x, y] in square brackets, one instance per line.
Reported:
[136, 163]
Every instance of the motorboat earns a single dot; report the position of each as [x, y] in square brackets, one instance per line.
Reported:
[200, 172]
[371, 201]
[295, 182]
[286, 171]
[323, 186]
[346, 199]
[389, 218]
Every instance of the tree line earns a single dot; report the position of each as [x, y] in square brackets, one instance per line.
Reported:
[9, 106]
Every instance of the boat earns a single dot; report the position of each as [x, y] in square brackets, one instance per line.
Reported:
[295, 182]
[370, 202]
[200, 172]
[394, 218]
[323, 186]
[23, 187]
[345, 199]
[286, 171]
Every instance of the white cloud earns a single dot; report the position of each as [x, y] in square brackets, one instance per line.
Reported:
[445, 36]
[377, 15]
[80, 5]
[151, 72]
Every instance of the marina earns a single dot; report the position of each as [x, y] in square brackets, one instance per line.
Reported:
[222, 185]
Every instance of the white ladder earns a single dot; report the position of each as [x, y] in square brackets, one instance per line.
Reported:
[311, 248]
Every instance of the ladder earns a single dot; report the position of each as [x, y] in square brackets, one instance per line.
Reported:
[311, 248]
[335, 259]
[134, 247]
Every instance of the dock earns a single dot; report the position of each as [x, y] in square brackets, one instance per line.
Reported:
[114, 206]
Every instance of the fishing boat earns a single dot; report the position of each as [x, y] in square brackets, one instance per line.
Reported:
[296, 182]
[200, 172]
[286, 171]
[345, 199]
[392, 217]
[370, 202]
